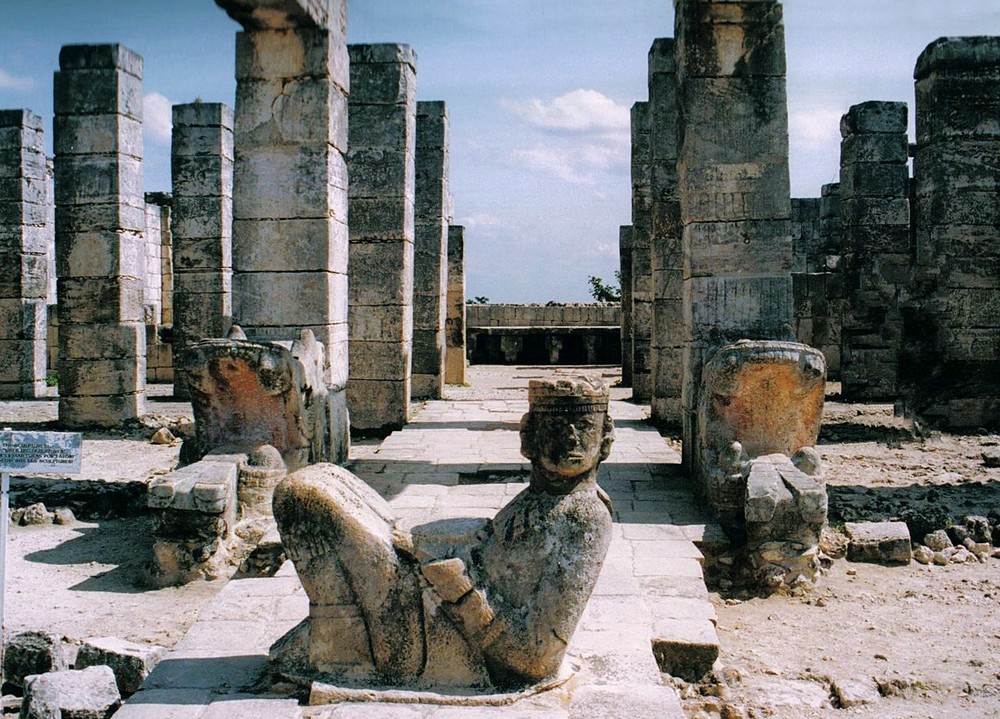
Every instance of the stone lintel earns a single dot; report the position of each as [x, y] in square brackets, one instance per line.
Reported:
[288, 14]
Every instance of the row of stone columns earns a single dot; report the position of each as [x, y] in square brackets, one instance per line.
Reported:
[909, 268]
[259, 222]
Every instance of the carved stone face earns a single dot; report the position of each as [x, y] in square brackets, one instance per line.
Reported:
[565, 447]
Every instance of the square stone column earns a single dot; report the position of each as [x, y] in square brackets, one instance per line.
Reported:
[383, 112]
[201, 164]
[454, 363]
[952, 361]
[625, 265]
[875, 212]
[666, 257]
[642, 269]
[100, 226]
[290, 189]
[24, 240]
[430, 260]
[733, 181]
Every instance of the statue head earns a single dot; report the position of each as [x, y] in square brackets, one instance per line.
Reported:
[567, 431]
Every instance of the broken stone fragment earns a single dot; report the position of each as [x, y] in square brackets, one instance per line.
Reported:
[32, 652]
[162, 436]
[34, 514]
[923, 555]
[878, 542]
[63, 515]
[130, 662]
[81, 694]
[938, 540]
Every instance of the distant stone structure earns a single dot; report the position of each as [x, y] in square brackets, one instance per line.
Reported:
[733, 183]
[875, 211]
[381, 159]
[544, 334]
[202, 225]
[290, 186]
[759, 416]
[642, 268]
[100, 225]
[24, 262]
[455, 602]
[666, 255]
[430, 252]
[454, 361]
[952, 365]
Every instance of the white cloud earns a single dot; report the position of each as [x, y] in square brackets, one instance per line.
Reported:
[479, 220]
[576, 111]
[815, 127]
[10, 82]
[157, 117]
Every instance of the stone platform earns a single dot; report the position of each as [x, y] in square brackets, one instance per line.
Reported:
[460, 458]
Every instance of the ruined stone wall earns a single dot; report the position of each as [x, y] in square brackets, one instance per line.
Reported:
[734, 182]
[875, 212]
[642, 268]
[430, 251]
[952, 365]
[152, 286]
[666, 256]
[625, 265]
[383, 112]
[598, 314]
[100, 221]
[24, 263]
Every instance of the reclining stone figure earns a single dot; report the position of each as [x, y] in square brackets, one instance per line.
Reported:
[456, 602]
[758, 421]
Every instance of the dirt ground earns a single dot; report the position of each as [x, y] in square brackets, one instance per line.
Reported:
[928, 635]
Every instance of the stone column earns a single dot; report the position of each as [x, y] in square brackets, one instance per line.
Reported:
[642, 270]
[953, 327]
[290, 181]
[24, 271]
[383, 107]
[201, 166]
[625, 265]
[454, 362]
[430, 264]
[733, 179]
[875, 212]
[666, 257]
[100, 221]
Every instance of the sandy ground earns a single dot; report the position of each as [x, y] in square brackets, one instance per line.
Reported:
[930, 635]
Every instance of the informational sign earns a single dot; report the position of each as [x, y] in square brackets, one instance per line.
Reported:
[40, 452]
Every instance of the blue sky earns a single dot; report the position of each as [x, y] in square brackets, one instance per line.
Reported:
[538, 92]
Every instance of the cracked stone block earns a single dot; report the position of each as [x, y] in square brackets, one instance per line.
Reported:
[32, 653]
[878, 542]
[89, 693]
[685, 648]
[130, 662]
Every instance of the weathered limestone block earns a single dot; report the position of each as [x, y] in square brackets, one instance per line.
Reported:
[290, 183]
[89, 693]
[456, 602]
[951, 364]
[430, 257]
[24, 244]
[642, 267]
[878, 542]
[32, 652]
[245, 394]
[454, 362]
[100, 223]
[759, 418]
[381, 163]
[625, 268]
[130, 662]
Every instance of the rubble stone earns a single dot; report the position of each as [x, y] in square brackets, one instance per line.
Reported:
[32, 652]
[878, 542]
[130, 662]
[89, 693]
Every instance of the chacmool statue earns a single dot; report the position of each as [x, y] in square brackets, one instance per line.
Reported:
[456, 602]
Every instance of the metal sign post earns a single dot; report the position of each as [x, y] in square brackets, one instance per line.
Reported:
[29, 453]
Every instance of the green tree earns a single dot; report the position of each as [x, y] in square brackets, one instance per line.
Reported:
[605, 293]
